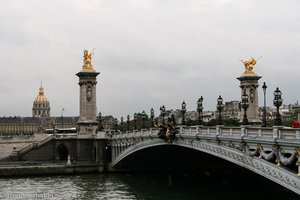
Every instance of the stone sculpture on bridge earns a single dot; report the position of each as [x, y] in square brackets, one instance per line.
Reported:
[87, 59]
[169, 130]
[249, 65]
[87, 122]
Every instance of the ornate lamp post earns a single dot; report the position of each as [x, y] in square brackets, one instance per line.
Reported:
[143, 119]
[128, 121]
[264, 120]
[183, 110]
[162, 113]
[220, 107]
[152, 117]
[135, 119]
[116, 125]
[62, 117]
[277, 103]
[100, 127]
[200, 109]
[122, 123]
[245, 106]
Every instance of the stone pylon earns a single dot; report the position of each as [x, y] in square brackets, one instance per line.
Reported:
[249, 83]
[87, 123]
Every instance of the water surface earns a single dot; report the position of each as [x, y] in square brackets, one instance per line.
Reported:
[145, 185]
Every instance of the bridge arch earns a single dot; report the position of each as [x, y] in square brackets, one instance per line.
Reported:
[252, 163]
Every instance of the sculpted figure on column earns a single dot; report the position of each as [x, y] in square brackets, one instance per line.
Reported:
[87, 59]
[249, 65]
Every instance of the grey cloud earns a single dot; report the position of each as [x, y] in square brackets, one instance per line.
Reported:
[149, 53]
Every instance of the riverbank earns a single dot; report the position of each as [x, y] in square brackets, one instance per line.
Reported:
[19, 169]
[8, 144]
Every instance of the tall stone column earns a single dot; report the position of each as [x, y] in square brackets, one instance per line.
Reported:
[249, 83]
[87, 122]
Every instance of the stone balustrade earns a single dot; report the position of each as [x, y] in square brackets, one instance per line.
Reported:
[243, 131]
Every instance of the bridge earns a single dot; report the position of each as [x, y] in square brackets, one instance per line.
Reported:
[273, 153]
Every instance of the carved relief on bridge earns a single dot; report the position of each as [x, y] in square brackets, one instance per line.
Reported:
[250, 90]
[246, 158]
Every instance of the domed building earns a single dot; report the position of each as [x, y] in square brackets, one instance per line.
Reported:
[41, 105]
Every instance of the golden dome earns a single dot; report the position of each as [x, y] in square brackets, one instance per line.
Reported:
[41, 98]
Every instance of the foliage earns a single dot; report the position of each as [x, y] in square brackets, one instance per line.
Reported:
[288, 122]
[231, 122]
[225, 122]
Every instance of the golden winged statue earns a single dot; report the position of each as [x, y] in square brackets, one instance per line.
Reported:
[249, 65]
[87, 59]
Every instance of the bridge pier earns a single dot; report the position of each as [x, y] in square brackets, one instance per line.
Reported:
[249, 84]
[102, 152]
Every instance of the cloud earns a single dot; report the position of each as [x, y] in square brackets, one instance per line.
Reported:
[149, 53]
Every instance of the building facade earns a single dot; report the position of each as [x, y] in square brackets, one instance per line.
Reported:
[39, 121]
[30, 125]
[41, 105]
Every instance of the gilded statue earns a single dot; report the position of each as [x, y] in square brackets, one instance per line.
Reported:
[249, 65]
[87, 59]
[168, 131]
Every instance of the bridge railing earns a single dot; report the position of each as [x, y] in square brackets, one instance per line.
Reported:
[276, 132]
[286, 133]
[152, 132]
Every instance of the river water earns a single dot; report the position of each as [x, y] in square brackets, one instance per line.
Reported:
[145, 185]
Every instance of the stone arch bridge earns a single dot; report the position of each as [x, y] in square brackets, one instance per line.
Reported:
[273, 153]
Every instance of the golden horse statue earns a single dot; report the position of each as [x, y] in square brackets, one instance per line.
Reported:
[249, 65]
[87, 59]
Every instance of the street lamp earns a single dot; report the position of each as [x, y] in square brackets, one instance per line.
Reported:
[143, 119]
[245, 105]
[162, 113]
[62, 117]
[134, 119]
[128, 121]
[200, 109]
[277, 102]
[183, 110]
[264, 121]
[122, 124]
[100, 127]
[116, 125]
[220, 107]
[152, 117]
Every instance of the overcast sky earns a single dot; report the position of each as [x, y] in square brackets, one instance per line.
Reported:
[149, 52]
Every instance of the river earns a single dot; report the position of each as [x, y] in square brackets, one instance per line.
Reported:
[145, 185]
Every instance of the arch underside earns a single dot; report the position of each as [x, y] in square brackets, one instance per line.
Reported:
[264, 168]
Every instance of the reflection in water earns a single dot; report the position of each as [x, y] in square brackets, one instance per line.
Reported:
[163, 185]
